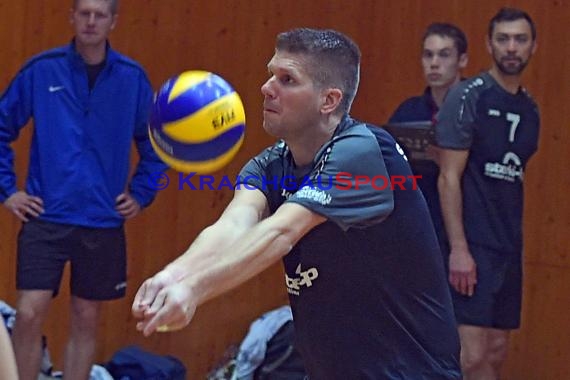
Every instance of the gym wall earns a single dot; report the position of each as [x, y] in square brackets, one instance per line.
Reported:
[236, 39]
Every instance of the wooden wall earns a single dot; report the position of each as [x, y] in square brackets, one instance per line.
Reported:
[235, 39]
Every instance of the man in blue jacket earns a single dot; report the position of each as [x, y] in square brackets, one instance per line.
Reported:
[88, 103]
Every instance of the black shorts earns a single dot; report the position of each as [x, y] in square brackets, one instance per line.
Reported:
[496, 302]
[97, 257]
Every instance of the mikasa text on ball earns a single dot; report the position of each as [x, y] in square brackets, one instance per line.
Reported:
[197, 122]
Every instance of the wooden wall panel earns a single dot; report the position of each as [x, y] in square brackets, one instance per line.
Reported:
[540, 349]
[235, 39]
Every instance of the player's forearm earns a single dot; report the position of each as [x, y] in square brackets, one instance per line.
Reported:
[260, 247]
[246, 210]
[451, 199]
[202, 252]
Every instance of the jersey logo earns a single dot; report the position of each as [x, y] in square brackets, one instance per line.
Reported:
[401, 151]
[55, 88]
[286, 193]
[494, 112]
[304, 278]
[307, 192]
[508, 170]
[315, 195]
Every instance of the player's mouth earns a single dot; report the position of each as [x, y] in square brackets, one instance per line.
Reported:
[269, 109]
[434, 76]
[512, 60]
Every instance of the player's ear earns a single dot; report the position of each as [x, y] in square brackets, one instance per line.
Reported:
[463, 60]
[331, 100]
[488, 45]
[115, 17]
[534, 46]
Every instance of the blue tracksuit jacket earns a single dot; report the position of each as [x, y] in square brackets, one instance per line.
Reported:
[81, 143]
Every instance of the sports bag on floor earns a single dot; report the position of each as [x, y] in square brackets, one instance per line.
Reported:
[133, 363]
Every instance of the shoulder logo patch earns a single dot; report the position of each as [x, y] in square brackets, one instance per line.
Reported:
[55, 88]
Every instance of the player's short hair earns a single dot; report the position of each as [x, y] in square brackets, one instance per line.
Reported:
[511, 14]
[445, 29]
[114, 5]
[334, 59]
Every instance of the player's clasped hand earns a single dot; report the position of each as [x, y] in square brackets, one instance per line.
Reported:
[24, 205]
[163, 305]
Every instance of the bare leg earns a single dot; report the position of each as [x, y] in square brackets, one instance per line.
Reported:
[498, 345]
[7, 360]
[474, 353]
[80, 349]
[31, 312]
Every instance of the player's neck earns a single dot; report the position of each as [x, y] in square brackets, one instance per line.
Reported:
[304, 147]
[438, 93]
[304, 150]
[511, 83]
[92, 54]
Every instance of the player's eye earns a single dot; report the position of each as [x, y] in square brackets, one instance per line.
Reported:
[501, 39]
[286, 79]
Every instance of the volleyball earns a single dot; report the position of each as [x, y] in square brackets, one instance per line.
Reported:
[197, 122]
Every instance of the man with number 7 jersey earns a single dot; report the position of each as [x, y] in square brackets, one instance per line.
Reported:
[488, 129]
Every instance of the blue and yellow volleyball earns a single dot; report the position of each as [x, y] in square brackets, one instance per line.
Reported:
[197, 122]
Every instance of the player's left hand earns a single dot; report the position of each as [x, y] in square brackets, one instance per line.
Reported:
[149, 290]
[169, 309]
[127, 206]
